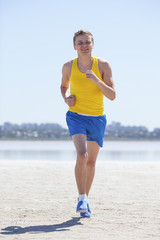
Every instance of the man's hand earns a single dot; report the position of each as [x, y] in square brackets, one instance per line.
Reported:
[70, 100]
[91, 76]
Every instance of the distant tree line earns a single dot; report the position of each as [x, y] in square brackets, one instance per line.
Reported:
[29, 131]
[116, 131]
[52, 131]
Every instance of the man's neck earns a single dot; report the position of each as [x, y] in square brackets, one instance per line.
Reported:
[85, 61]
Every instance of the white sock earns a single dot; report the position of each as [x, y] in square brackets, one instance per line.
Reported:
[83, 197]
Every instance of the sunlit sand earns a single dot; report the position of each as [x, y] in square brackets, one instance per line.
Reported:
[38, 201]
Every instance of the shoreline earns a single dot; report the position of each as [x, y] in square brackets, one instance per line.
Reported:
[70, 139]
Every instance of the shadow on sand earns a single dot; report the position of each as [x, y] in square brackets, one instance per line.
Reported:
[42, 228]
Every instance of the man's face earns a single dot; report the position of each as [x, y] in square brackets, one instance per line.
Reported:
[83, 44]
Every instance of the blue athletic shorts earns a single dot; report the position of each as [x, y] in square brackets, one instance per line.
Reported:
[92, 126]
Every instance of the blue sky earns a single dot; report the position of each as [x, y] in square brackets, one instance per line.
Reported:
[36, 40]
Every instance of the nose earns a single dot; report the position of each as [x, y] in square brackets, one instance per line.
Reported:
[84, 44]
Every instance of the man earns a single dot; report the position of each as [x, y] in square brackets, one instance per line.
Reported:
[89, 79]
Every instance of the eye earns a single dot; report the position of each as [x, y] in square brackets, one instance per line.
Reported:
[80, 43]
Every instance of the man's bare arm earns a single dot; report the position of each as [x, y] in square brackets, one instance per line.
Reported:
[69, 99]
[107, 85]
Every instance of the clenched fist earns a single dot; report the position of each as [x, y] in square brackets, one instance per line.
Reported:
[70, 100]
[91, 76]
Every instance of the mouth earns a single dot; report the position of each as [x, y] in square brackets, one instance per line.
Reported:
[84, 50]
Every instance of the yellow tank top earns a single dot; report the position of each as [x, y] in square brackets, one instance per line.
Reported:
[89, 98]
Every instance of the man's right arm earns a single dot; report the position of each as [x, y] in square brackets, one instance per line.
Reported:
[66, 71]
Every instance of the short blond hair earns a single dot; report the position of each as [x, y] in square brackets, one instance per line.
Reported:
[82, 32]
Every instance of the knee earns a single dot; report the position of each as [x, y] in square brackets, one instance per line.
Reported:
[91, 163]
[82, 158]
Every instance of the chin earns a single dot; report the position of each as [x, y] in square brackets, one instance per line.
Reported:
[85, 53]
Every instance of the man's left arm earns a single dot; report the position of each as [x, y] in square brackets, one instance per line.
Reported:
[107, 85]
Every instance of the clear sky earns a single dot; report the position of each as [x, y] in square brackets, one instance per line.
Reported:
[36, 39]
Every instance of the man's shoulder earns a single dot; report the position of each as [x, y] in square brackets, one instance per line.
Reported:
[66, 69]
[103, 62]
[67, 65]
[103, 65]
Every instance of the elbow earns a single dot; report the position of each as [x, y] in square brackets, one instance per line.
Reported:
[62, 88]
[113, 97]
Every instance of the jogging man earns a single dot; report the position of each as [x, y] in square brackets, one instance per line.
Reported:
[89, 79]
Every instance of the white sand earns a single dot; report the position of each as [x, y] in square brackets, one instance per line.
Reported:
[38, 201]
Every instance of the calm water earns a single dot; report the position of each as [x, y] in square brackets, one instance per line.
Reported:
[64, 150]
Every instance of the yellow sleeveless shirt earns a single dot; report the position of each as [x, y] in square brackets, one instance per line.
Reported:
[89, 98]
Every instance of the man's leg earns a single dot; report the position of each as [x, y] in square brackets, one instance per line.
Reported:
[80, 168]
[92, 150]
[80, 171]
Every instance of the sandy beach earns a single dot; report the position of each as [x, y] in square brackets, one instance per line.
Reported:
[38, 201]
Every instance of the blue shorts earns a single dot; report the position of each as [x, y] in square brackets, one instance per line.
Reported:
[92, 126]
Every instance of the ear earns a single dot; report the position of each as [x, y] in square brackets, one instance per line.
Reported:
[75, 48]
[92, 43]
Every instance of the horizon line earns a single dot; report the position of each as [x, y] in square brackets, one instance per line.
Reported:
[112, 123]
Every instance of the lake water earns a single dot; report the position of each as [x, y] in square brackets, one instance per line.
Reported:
[64, 150]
